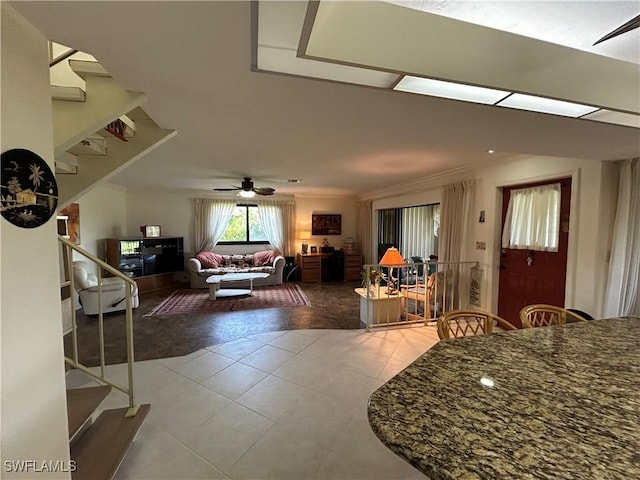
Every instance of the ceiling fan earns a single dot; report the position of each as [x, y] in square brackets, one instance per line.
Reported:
[247, 189]
[627, 27]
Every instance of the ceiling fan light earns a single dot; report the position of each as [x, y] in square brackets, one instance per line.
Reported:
[247, 193]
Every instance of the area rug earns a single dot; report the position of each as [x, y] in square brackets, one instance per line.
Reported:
[197, 301]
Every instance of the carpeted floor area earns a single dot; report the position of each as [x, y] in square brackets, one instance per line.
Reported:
[188, 301]
[334, 305]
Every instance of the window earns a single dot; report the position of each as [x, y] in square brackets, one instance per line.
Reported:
[244, 227]
[533, 219]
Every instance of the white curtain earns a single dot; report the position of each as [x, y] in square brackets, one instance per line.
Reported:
[210, 218]
[455, 221]
[419, 231]
[277, 219]
[533, 219]
[622, 296]
[454, 239]
[364, 232]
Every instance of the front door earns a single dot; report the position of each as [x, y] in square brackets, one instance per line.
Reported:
[533, 276]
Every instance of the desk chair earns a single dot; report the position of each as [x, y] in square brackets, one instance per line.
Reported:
[464, 323]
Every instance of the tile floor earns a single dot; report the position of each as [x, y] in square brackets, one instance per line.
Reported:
[276, 405]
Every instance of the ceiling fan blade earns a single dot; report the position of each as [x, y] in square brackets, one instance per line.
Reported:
[264, 191]
[226, 189]
[627, 27]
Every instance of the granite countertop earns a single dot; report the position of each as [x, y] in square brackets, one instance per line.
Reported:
[559, 402]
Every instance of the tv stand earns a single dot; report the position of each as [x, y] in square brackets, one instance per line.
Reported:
[151, 261]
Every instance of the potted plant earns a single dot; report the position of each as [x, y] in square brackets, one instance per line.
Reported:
[371, 278]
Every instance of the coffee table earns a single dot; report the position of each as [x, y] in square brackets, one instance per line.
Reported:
[215, 283]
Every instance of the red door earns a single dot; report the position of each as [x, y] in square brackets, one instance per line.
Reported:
[533, 276]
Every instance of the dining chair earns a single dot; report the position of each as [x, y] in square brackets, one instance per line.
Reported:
[465, 323]
[541, 315]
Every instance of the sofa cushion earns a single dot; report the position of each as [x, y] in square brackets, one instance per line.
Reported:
[209, 259]
[265, 257]
[207, 272]
[236, 261]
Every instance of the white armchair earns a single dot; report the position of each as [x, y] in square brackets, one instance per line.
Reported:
[113, 291]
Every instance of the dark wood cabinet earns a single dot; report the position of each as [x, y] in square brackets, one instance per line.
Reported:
[318, 267]
[352, 266]
[310, 267]
[151, 261]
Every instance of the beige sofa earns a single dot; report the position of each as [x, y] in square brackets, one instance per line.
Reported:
[205, 264]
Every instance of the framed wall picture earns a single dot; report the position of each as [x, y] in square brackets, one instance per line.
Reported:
[72, 212]
[152, 230]
[326, 224]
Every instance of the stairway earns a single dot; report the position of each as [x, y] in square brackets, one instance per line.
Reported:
[99, 446]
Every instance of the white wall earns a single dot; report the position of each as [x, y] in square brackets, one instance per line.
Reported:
[593, 198]
[34, 416]
[173, 212]
[583, 264]
[345, 206]
[103, 214]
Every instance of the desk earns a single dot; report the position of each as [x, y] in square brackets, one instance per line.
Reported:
[311, 268]
[565, 404]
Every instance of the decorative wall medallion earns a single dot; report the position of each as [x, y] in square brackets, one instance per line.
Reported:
[28, 193]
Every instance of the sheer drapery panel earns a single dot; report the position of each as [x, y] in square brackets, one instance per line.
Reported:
[210, 218]
[533, 219]
[455, 220]
[623, 296]
[364, 232]
[277, 219]
[455, 233]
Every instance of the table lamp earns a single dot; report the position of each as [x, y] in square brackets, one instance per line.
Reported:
[391, 258]
[305, 236]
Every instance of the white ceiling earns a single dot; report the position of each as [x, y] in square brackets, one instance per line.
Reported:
[194, 59]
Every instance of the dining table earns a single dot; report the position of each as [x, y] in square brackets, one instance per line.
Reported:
[556, 402]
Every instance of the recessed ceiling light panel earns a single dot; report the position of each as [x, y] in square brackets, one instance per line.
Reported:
[456, 91]
[546, 105]
[619, 118]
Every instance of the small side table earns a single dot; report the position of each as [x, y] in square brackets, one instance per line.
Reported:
[379, 309]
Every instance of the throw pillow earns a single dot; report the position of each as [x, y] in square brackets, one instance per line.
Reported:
[265, 257]
[209, 259]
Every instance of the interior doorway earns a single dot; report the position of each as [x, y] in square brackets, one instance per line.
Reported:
[530, 275]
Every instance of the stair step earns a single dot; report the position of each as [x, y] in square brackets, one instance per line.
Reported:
[69, 94]
[81, 403]
[95, 145]
[101, 449]
[87, 68]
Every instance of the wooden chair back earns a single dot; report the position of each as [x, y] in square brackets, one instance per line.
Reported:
[541, 315]
[464, 323]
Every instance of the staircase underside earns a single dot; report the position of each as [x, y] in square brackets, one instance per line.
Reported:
[98, 131]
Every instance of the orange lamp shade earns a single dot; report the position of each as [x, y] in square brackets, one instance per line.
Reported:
[392, 257]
